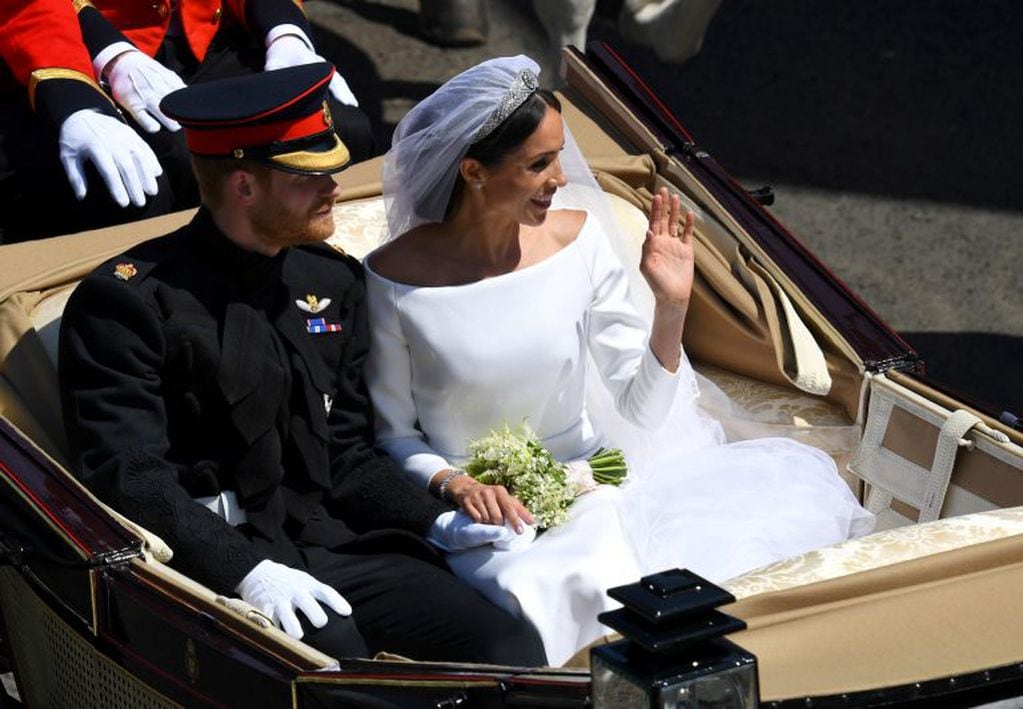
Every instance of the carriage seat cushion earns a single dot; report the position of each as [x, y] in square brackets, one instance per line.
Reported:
[884, 548]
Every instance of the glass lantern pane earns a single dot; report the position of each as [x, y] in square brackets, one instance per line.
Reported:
[730, 689]
[611, 688]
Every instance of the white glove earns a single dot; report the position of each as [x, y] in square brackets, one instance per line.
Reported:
[277, 590]
[138, 83]
[123, 159]
[287, 45]
[517, 541]
[455, 531]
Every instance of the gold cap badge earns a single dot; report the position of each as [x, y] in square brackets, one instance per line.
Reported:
[124, 271]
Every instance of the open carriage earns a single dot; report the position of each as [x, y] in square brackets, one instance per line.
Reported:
[921, 611]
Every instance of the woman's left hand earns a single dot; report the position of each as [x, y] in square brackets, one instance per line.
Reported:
[668, 259]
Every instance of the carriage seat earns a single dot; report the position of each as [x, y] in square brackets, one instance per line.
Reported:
[30, 322]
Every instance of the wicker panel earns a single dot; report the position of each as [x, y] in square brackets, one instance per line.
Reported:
[59, 668]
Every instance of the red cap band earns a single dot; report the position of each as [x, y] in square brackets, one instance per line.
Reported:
[224, 141]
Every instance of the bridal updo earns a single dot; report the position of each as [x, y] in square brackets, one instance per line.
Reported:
[483, 113]
[508, 135]
[515, 129]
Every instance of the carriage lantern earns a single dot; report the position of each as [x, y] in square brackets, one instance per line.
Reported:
[673, 653]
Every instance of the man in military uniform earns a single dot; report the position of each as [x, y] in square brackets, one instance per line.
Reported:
[213, 391]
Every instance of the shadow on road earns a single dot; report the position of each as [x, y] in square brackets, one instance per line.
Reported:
[912, 99]
[404, 21]
[987, 368]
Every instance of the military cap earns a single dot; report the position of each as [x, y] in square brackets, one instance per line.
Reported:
[279, 118]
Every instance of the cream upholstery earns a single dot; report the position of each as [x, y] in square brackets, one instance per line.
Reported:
[879, 549]
[870, 553]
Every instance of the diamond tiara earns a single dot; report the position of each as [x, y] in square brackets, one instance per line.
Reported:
[525, 85]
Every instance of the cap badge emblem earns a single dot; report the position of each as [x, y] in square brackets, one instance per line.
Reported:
[124, 271]
[328, 120]
[312, 304]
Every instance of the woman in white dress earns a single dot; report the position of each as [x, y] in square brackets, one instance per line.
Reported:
[501, 299]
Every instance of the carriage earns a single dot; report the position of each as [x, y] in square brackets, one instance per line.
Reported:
[922, 611]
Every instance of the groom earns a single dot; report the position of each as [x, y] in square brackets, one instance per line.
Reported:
[213, 391]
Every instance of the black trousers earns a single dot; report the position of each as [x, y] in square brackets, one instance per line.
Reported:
[35, 197]
[405, 605]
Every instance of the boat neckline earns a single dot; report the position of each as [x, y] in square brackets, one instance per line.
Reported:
[489, 279]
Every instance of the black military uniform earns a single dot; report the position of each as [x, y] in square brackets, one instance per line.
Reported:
[190, 366]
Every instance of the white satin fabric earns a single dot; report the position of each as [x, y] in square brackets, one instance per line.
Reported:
[450, 363]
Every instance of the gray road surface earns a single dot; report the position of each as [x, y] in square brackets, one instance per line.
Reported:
[890, 130]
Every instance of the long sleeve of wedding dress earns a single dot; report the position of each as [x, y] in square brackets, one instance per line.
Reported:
[389, 372]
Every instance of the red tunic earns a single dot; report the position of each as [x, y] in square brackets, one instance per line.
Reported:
[41, 45]
[37, 34]
[145, 24]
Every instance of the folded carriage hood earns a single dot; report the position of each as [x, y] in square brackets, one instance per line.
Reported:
[875, 343]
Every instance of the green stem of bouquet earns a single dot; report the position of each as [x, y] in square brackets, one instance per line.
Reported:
[608, 466]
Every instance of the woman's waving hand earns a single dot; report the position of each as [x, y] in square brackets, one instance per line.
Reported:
[668, 265]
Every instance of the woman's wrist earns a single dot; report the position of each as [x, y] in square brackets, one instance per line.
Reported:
[666, 334]
[444, 483]
[671, 313]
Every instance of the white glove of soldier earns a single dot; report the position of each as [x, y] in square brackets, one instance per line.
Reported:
[455, 531]
[124, 161]
[288, 45]
[277, 590]
[138, 83]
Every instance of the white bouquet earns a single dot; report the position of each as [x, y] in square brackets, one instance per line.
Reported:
[517, 460]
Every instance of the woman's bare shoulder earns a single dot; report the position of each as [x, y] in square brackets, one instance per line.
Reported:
[565, 225]
[401, 258]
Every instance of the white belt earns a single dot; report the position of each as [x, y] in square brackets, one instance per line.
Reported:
[226, 506]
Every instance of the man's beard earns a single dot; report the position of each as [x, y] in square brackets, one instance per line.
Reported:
[276, 224]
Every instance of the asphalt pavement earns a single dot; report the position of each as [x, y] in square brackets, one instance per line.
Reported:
[889, 129]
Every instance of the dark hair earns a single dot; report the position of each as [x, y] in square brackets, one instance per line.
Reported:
[507, 136]
[515, 129]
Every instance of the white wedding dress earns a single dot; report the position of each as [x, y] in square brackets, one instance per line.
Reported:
[448, 364]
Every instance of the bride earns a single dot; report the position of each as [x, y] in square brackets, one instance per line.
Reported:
[500, 298]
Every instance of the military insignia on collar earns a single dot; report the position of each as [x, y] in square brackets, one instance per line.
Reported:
[312, 304]
[124, 271]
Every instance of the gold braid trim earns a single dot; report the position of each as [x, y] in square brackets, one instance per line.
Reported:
[332, 159]
[40, 75]
[80, 5]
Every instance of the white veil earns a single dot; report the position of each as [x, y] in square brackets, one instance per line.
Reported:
[419, 175]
